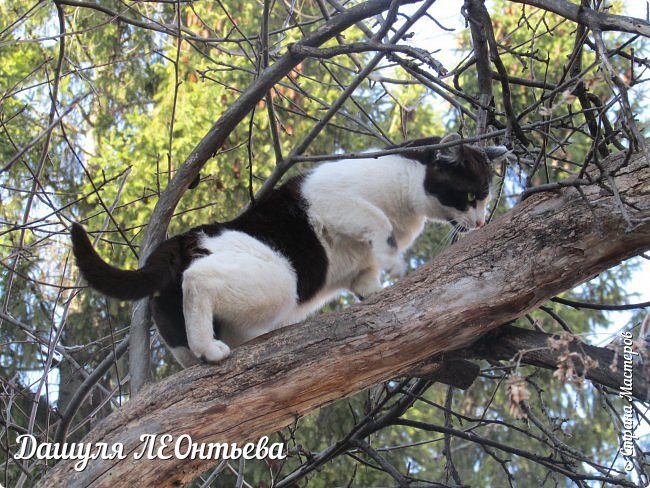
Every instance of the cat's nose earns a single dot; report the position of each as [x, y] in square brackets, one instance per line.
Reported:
[480, 223]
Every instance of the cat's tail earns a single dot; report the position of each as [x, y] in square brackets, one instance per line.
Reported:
[112, 281]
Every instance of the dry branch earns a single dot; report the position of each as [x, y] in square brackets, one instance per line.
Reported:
[478, 27]
[591, 18]
[545, 245]
[532, 347]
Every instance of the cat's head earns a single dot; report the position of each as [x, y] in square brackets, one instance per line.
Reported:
[458, 180]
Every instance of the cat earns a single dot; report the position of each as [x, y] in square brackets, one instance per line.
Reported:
[332, 228]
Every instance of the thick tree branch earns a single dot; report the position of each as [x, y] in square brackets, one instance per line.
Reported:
[545, 245]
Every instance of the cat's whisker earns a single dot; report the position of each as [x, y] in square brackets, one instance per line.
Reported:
[456, 235]
[448, 239]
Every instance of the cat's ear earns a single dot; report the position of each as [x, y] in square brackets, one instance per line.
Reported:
[496, 153]
[450, 138]
[450, 154]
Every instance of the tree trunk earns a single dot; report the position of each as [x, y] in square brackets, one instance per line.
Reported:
[545, 245]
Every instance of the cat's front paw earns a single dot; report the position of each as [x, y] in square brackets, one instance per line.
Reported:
[214, 351]
[395, 266]
[364, 289]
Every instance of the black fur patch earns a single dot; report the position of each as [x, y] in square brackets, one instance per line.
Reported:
[424, 156]
[452, 174]
[167, 312]
[167, 304]
[281, 222]
[452, 178]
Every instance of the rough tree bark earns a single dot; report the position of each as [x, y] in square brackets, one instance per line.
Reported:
[545, 245]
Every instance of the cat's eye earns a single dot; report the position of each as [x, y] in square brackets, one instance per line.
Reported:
[471, 197]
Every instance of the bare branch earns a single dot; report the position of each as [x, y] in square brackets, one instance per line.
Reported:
[592, 19]
[473, 10]
[359, 47]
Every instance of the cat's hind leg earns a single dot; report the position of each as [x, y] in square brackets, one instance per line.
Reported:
[198, 311]
[184, 356]
[243, 284]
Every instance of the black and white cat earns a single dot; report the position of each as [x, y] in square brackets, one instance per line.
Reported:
[332, 228]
